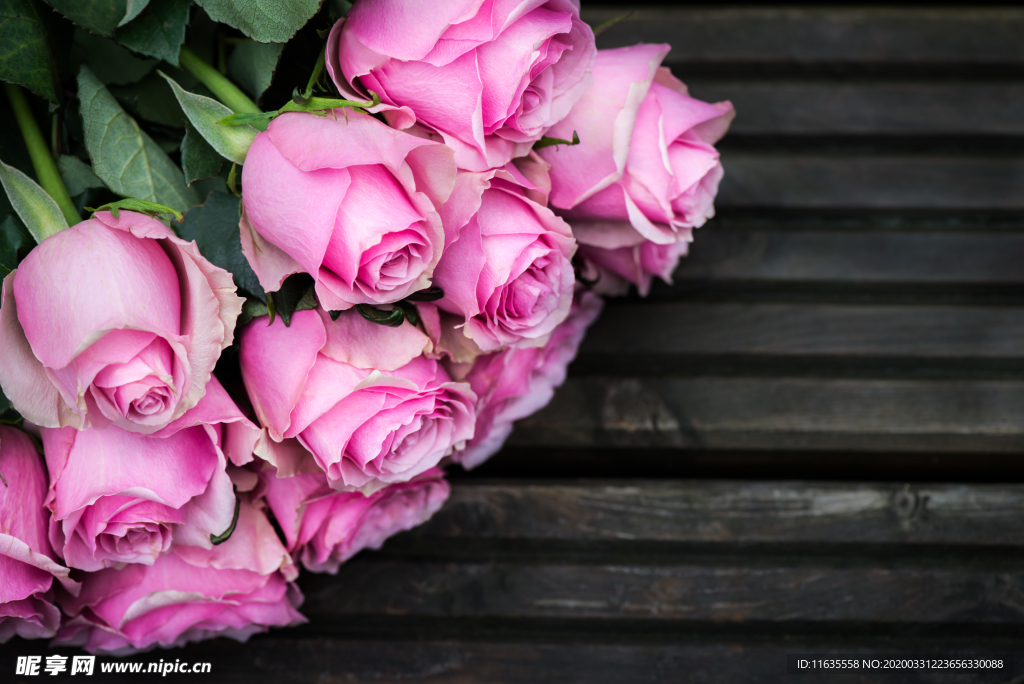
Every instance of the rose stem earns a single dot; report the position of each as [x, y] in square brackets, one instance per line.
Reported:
[42, 160]
[226, 91]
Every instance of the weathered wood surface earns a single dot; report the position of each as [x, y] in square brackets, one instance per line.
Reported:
[748, 37]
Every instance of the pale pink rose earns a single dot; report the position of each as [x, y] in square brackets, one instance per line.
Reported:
[490, 77]
[359, 396]
[616, 269]
[348, 200]
[121, 497]
[27, 565]
[646, 168]
[507, 269]
[324, 528]
[114, 321]
[515, 383]
[237, 589]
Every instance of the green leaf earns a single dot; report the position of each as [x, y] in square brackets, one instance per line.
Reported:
[111, 63]
[123, 155]
[99, 16]
[25, 55]
[268, 21]
[253, 64]
[214, 227]
[204, 112]
[216, 539]
[77, 175]
[151, 99]
[159, 31]
[15, 243]
[393, 318]
[134, 8]
[142, 206]
[297, 293]
[430, 294]
[198, 159]
[549, 142]
[36, 209]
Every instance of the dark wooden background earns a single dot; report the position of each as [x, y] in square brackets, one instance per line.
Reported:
[811, 443]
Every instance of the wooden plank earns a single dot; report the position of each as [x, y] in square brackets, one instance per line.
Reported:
[433, 660]
[861, 257]
[768, 413]
[720, 589]
[800, 35]
[915, 333]
[847, 181]
[727, 512]
[821, 107]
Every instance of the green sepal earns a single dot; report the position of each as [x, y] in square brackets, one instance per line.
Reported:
[142, 206]
[316, 105]
[217, 539]
[297, 293]
[392, 319]
[430, 294]
[554, 142]
[412, 314]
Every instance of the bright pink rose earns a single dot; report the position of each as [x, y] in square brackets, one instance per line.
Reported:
[113, 321]
[27, 567]
[325, 528]
[347, 200]
[616, 269]
[235, 590]
[490, 77]
[507, 269]
[646, 168]
[359, 396]
[121, 497]
[515, 383]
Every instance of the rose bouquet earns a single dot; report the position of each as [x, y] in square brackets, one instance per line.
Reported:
[261, 350]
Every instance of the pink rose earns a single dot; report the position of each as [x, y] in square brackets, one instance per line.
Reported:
[515, 383]
[347, 200]
[121, 497]
[235, 590]
[489, 77]
[359, 396]
[616, 269]
[113, 321]
[27, 568]
[325, 528]
[507, 269]
[646, 168]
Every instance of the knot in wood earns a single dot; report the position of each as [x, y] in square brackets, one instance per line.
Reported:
[905, 504]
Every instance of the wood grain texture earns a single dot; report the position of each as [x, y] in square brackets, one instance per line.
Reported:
[808, 331]
[730, 589]
[857, 35]
[763, 257]
[864, 107]
[781, 413]
[838, 181]
[728, 512]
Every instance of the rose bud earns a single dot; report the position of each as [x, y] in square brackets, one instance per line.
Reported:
[325, 528]
[237, 589]
[515, 383]
[27, 565]
[489, 77]
[121, 497]
[507, 269]
[114, 321]
[646, 169]
[360, 396]
[348, 200]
